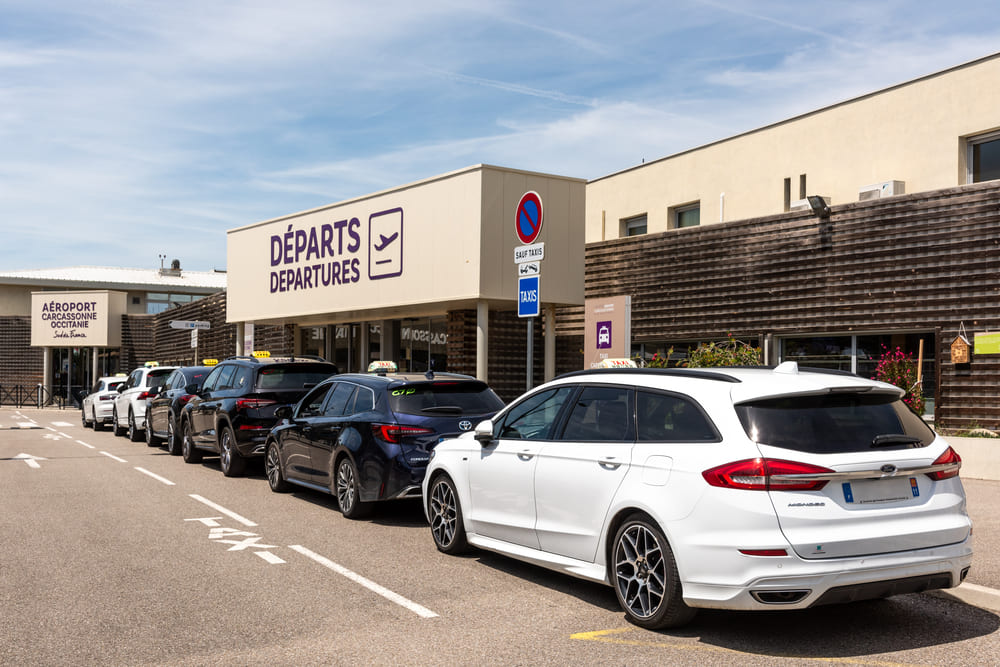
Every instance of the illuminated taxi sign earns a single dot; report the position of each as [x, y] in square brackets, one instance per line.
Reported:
[209, 362]
[382, 367]
[261, 354]
[151, 364]
[617, 363]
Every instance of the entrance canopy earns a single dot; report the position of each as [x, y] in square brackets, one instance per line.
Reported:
[445, 243]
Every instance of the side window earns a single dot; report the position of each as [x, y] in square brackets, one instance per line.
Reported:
[600, 414]
[312, 404]
[134, 380]
[226, 376]
[341, 399]
[213, 379]
[364, 400]
[243, 379]
[535, 417]
[671, 418]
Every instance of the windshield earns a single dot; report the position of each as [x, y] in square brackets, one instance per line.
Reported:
[444, 398]
[834, 423]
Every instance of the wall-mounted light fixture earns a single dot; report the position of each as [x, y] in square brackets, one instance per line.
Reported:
[818, 205]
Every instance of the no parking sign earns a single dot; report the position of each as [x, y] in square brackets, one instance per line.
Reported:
[528, 219]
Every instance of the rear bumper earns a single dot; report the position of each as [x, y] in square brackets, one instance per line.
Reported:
[807, 583]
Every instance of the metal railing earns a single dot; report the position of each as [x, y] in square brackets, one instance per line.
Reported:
[19, 395]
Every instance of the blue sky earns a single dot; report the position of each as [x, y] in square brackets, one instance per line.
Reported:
[130, 130]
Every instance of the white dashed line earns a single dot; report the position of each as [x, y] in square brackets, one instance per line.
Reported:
[367, 583]
[85, 444]
[155, 476]
[270, 557]
[112, 456]
[220, 508]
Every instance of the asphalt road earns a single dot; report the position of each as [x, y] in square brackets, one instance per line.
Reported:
[114, 553]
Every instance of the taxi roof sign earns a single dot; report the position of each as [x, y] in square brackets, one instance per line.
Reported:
[261, 354]
[209, 362]
[382, 367]
[617, 363]
[151, 364]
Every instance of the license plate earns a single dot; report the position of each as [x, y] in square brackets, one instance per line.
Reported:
[875, 491]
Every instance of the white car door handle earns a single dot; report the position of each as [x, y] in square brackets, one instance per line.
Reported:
[610, 464]
[526, 455]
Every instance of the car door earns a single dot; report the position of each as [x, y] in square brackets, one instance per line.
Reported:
[327, 429]
[203, 410]
[501, 477]
[295, 439]
[578, 474]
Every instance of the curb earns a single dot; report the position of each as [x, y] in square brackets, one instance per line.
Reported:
[972, 594]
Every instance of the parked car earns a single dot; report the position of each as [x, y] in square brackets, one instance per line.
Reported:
[166, 402]
[366, 438]
[97, 407]
[746, 489]
[234, 409]
[129, 411]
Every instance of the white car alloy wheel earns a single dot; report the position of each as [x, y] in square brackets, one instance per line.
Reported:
[446, 517]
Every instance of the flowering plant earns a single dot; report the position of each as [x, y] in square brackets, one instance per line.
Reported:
[730, 352]
[899, 368]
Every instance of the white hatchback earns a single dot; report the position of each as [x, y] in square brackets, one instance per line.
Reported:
[97, 407]
[129, 410]
[728, 488]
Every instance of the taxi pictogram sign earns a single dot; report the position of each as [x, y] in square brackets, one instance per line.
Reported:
[528, 219]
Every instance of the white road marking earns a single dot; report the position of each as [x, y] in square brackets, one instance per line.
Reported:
[270, 557]
[61, 424]
[155, 476]
[27, 425]
[32, 461]
[112, 456]
[367, 583]
[85, 444]
[64, 435]
[220, 508]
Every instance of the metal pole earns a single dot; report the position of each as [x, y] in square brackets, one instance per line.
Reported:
[531, 360]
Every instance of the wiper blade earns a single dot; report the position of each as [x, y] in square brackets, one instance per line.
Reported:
[889, 439]
[448, 409]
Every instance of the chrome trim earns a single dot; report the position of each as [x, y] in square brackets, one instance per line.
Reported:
[866, 474]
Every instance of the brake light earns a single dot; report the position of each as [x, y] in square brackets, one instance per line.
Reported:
[951, 460]
[143, 396]
[760, 475]
[764, 552]
[395, 433]
[253, 403]
[185, 398]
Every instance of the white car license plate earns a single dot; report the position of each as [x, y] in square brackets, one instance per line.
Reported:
[873, 491]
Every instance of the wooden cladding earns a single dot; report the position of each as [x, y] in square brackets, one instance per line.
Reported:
[919, 262]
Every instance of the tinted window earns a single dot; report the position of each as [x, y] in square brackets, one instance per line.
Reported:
[192, 376]
[213, 378]
[292, 377]
[243, 379]
[534, 418]
[341, 400]
[600, 414]
[670, 418]
[446, 398]
[364, 400]
[157, 378]
[831, 423]
[312, 404]
[114, 385]
[226, 376]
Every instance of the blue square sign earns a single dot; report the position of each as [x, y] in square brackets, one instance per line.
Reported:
[529, 300]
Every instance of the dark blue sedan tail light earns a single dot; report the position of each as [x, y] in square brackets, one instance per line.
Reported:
[395, 433]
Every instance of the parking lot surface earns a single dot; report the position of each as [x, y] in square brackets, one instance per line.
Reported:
[118, 553]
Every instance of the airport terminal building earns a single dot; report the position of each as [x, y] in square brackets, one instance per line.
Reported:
[825, 238]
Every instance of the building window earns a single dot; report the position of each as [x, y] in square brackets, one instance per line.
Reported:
[158, 303]
[634, 226]
[688, 215]
[984, 158]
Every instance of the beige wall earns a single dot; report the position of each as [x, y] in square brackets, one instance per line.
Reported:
[914, 133]
[15, 300]
[457, 247]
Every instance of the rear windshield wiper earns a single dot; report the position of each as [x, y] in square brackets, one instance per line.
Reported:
[450, 409]
[889, 439]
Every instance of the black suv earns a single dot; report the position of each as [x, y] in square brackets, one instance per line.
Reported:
[364, 438]
[234, 409]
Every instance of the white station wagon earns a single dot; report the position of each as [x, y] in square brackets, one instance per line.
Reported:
[731, 488]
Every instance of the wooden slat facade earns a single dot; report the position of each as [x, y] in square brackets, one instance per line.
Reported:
[923, 262]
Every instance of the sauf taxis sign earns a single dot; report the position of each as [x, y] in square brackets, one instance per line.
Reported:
[76, 319]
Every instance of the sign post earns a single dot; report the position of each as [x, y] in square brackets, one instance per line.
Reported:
[528, 257]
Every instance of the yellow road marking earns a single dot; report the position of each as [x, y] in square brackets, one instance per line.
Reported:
[608, 637]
